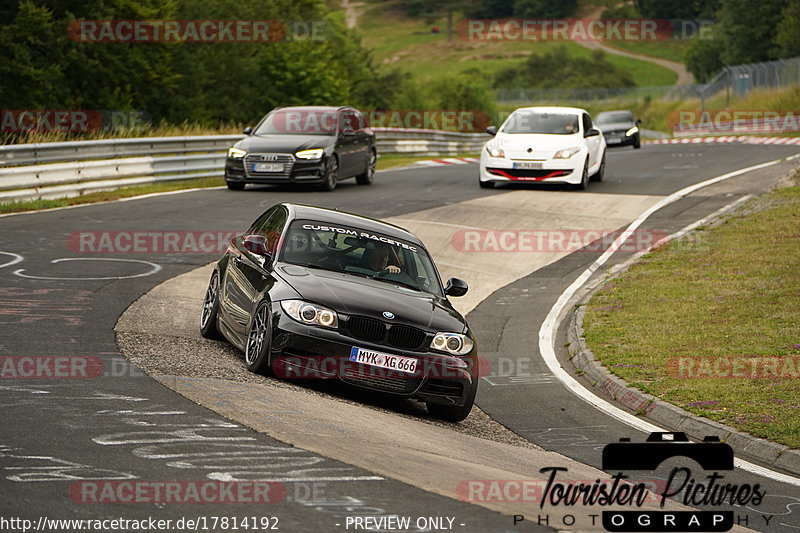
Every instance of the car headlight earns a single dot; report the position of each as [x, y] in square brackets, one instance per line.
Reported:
[454, 343]
[315, 153]
[495, 152]
[236, 153]
[567, 153]
[312, 314]
[631, 131]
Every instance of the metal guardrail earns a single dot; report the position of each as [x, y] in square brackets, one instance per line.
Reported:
[65, 169]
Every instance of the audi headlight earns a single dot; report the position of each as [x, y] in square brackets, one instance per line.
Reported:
[631, 131]
[567, 153]
[454, 343]
[236, 153]
[316, 153]
[495, 152]
[312, 314]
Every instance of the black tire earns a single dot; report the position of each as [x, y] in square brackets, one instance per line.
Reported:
[602, 171]
[637, 143]
[331, 174]
[450, 413]
[366, 177]
[259, 341]
[210, 312]
[486, 184]
[584, 178]
[235, 185]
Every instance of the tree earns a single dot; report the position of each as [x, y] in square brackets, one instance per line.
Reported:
[788, 35]
[747, 29]
[544, 9]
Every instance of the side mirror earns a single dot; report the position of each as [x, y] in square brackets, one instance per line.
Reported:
[456, 287]
[256, 244]
[638, 121]
[248, 130]
[492, 130]
[594, 132]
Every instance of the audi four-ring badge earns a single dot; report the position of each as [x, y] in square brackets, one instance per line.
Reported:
[308, 292]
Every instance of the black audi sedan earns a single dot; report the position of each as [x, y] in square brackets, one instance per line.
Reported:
[314, 293]
[314, 145]
[619, 128]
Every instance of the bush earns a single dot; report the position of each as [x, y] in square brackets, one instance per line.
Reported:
[557, 69]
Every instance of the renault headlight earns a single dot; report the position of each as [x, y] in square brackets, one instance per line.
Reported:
[454, 343]
[312, 314]
[236, 153]
[315, 153]
[567, 153]
[495, 152]
[631, 131]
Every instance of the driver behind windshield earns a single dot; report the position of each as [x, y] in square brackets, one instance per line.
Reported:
[381, 258]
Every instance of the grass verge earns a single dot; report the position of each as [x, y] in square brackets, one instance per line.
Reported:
[679, 320]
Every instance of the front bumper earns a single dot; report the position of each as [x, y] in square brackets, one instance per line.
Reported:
[309, 352]
[620, 139]
[298, 171]
[502, 170]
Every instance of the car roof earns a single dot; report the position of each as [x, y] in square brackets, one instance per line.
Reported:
[553, 109]
[334, 216]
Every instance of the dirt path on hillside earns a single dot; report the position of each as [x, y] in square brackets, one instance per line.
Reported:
[350, 13]
[684, 76]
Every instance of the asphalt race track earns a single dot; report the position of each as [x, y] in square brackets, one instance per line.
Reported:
[61, 436]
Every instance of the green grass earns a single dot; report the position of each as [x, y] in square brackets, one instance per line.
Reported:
[672, 49]
[407, 44]
[731, 292]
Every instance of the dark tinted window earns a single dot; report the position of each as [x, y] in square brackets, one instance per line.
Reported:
[299, 121]
[587, 122]
[270, 225]
[540, 122]
[611, 117]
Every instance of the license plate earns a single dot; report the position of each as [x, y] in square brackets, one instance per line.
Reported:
[613, 140]
[527, 165]
[268, 167]
[383, 360]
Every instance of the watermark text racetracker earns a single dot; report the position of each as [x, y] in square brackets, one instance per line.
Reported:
[70, 120]
[65, 367]
[551, 240]
[164, 241]
[196, 31]
[589, 29]
[192, 523]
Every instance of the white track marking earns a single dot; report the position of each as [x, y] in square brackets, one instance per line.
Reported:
[154, 268]
[17, 259]
[547, 333]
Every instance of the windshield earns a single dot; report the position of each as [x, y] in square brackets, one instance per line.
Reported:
[613, 117]
[299, 121]
[360, 253]
[539, 122]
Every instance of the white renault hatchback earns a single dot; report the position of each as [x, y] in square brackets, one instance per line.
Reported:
[544, 144]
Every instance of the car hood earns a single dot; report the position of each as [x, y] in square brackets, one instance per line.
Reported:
[616, 126]
[516, 145]
[355, 295]
[283, 143]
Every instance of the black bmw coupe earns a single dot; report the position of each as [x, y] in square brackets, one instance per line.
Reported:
[312, 293]
[311, 145]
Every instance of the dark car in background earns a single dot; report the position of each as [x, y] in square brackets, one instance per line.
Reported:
[619, 128]
[314, 293]
[304, 145]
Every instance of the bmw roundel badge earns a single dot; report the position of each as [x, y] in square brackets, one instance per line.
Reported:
[388, 315]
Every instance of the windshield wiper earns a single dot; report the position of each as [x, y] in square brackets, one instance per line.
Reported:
[395, 282]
